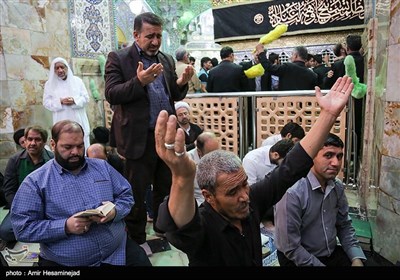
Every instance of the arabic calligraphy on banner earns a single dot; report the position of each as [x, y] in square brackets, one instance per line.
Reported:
[251, 20]
[309, 12]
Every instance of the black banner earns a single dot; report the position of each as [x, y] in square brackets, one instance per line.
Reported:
[256, 19]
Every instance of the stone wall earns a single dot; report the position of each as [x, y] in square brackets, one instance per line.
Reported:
[381, 160]
[32, 35]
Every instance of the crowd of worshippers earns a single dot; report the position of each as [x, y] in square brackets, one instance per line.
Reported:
[204, 201]
[303, 71]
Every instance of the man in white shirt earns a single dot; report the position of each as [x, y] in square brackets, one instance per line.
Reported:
[259, 162]
[291, 130]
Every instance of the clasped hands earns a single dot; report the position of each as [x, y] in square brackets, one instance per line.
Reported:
[67, 101]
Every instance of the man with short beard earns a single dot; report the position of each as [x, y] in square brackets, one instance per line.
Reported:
[192, 130]
[45, 206]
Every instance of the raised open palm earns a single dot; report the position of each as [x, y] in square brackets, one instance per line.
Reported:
[336, 99]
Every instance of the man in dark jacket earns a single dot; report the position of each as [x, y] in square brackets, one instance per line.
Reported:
[140, 82]
[292, 75]
[18, 167]
[320, 69]
[192, 130]
[268, 81]
[227, 76]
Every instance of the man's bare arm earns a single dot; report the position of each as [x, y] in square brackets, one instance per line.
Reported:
[181, 203]
[331, 105]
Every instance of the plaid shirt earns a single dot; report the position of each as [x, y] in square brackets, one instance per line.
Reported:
[50, 195]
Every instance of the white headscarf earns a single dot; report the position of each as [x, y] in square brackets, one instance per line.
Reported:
[55, 89]
[54, 79]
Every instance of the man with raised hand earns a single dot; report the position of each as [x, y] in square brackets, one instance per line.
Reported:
[226, 230]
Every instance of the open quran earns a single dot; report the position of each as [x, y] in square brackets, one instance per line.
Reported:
[101, 211]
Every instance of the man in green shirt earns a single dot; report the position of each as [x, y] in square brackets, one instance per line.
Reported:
[18, 167]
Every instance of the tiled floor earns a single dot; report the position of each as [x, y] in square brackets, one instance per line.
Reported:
[175, 257]
[172, 257]
[354, 198]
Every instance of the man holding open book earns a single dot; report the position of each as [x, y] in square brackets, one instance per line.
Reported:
[46, 207]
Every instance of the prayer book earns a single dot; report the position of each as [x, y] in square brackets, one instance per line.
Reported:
[101, 211]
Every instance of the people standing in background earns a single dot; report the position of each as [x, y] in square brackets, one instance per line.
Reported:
[192, 61]
[246, 64]
[293, 75]
[191, 130]
[65, 95]
[310, 62]
[269, 81]
[340, 54]
[314, 212]
[353, 47]
[206, 65]
[214, 62]
[18, 167]
[320, 69]
[227, 76]
[182, 58]
[140, 81]
[339, 51]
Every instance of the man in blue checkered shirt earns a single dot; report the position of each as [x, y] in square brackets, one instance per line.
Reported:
[44, 208]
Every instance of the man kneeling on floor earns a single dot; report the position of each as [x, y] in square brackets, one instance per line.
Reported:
[225, 229]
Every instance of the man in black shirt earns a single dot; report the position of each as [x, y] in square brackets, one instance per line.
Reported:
[225, 230]
[292, 75]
